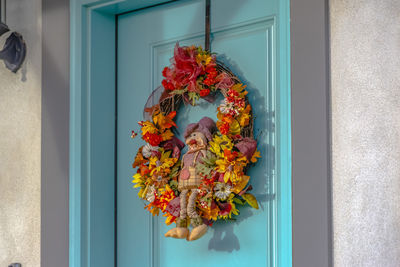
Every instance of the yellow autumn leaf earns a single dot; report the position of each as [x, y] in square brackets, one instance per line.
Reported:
[170, 219]
[149, 127]
[234, 128]
[240, 88]
[234, 210]
[219, 144]
[251, 200]
[165, 155]
[244, 179]
[140, 194]
[221, 165]
[137, 178]
[203, 59]
[228, 176]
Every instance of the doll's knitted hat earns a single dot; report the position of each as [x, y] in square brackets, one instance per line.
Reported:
[206, 126]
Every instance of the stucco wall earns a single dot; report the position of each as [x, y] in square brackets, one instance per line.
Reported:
[20, 130]
[365, 68]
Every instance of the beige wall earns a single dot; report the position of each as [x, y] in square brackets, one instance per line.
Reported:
[365, 63]
[20, 113]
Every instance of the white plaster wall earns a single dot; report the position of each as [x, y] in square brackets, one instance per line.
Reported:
[365, 65]
[20, 130]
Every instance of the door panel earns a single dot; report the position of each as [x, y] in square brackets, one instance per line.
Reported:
[243, 34]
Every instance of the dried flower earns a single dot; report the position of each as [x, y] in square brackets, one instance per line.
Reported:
[222, 191]
[148, 150]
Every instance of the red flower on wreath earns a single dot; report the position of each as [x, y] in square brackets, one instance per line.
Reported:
[212, 73]
[185, 70]
[152, 139]
[204, 92]
[168, 85]
[224, 128]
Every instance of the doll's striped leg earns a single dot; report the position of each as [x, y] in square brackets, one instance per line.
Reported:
[181, 230]
[199, 228]
[191, 206]
[183, 212]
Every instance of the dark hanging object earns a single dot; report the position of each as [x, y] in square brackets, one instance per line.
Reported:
[3, 28]
[14, 50]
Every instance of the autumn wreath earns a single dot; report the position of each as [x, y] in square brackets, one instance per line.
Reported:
[209, 182]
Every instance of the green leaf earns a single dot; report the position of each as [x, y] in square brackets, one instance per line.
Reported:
[175, 169]
[238, 201]
[194, 97]
[208, 164]
[203, 169]
[251, 200]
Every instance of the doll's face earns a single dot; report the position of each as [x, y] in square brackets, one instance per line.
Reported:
[195, 140]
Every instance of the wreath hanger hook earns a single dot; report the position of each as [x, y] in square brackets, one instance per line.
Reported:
[208, 25]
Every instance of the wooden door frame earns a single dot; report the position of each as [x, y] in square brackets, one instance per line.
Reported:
[92, 123]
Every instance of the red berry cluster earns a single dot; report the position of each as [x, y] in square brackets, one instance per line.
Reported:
[167, 85]
[211, 75]
[204, 92]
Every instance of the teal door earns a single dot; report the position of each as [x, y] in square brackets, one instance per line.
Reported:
[249, 38]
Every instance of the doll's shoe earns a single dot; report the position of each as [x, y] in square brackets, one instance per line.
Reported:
[197, 232]
[171, 233]
[178, 232]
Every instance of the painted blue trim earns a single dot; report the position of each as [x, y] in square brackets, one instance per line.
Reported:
[75, 193]
[285, 142]
[81, 207]
[88, 110]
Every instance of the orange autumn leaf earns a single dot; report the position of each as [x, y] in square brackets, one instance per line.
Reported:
[228, 119]
[255, 156]
[165, 122]
[139, 159]
[167, 135]
[244, 118]
[229, 155]
[144, 170]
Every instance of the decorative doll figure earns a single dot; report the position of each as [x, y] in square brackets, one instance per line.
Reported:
[197, 136]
